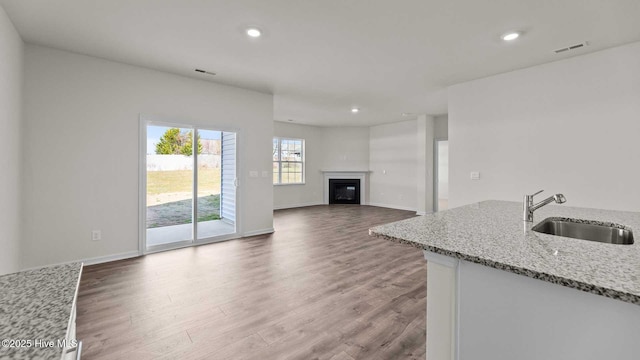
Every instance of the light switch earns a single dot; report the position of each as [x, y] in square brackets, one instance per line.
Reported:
[253, 173]
[475, 175]
[265, 173]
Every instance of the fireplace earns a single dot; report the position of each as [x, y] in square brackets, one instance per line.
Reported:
[344, 191]
[351, 175]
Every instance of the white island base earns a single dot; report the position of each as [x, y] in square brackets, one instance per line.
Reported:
[475, 312]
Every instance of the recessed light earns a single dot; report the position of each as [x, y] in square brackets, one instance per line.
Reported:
[355, 110]
[254, 32]
[510, 36]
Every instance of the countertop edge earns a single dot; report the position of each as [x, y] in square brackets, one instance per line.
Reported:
[554, 279]
[73, 304]
[38, 305]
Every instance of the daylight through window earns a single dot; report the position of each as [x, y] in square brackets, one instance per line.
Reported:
[288, 161]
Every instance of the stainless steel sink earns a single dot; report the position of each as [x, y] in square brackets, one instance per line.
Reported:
[586, 230]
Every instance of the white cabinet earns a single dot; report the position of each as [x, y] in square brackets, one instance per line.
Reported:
[478, 312]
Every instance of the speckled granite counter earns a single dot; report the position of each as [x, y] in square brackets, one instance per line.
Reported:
[492, 233]
[37, 305]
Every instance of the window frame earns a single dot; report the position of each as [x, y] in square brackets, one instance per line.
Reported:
[280, 161]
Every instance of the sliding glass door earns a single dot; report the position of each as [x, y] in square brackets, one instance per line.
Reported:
[189, 181]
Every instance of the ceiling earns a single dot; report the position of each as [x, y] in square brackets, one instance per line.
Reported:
[319, 58]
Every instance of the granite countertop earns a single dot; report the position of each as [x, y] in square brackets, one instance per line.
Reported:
[492, 233]
[37, 305]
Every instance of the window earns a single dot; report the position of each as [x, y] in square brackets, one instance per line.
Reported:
[288, 161]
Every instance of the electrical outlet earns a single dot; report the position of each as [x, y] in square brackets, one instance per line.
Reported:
[96, 235]
[253, 173]
[265, 173]
[475, 175]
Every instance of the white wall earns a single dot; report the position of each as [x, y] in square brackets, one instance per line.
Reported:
[86, 110]
[345, 148]
[571, 127]
[11, 79]
[393, 160]
[309, 193]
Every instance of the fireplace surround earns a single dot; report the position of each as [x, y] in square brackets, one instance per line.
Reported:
[361, 175]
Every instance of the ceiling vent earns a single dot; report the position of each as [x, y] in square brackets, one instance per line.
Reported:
[572, 47]
[205, 72]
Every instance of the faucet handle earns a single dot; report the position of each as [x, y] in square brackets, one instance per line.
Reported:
[532, 195]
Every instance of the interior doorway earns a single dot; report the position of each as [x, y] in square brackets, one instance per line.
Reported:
[188, 179]
[441, 175]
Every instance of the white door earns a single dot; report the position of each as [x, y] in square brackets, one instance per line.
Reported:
[442, 175]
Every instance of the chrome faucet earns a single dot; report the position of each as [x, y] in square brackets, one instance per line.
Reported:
[529, 207]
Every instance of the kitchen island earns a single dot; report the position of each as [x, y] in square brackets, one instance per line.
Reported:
[498, 290]
[37, 313]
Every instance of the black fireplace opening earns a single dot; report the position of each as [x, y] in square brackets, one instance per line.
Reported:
[344, 191]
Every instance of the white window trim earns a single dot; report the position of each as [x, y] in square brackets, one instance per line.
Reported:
[279, 161]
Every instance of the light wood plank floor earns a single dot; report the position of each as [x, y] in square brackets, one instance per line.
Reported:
[318, 288]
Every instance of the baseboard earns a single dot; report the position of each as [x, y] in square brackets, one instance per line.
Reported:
[297, 205]
[108, 258]
[132, 254]
[258, 232]
[92, 261]
[398, 207]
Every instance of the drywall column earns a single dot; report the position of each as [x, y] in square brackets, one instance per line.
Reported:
[424, 165]
[11, 77]
[392, 161]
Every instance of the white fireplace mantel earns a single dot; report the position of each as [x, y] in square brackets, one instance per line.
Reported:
[362, 175]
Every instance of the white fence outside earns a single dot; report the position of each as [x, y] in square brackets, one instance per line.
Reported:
[181, 162]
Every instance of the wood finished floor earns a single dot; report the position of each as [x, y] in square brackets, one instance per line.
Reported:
[318, 288]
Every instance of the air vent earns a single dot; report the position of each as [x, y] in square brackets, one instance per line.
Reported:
[572, 47]
[205, 72]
